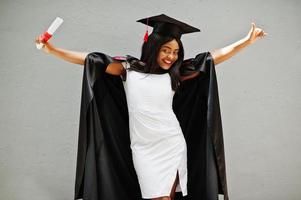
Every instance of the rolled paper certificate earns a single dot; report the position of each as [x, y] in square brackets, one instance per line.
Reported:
[50, 31]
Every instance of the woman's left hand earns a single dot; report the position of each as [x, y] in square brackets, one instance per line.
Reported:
[255, 33]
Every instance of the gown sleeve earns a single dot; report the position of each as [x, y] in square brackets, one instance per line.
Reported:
[199, 63]
[196, 105]
[104, 162]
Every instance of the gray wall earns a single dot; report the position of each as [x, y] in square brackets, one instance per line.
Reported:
[259, 88]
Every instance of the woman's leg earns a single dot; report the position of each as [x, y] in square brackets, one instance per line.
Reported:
[172, 192]
[162, 198]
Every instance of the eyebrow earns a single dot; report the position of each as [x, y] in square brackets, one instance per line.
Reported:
[169, 47]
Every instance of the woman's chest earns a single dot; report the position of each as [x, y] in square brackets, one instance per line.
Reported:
[144, 88]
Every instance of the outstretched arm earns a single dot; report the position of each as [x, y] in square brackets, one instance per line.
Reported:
[222, 54]
[67, 55]
[114, 68]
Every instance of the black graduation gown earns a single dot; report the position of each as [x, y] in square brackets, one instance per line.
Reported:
[104, 162]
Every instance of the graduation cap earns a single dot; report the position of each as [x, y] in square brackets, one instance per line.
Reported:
[167, 26]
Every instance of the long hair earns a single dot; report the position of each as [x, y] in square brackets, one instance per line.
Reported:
[149, 53]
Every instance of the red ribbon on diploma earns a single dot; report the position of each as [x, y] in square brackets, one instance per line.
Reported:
[46, 36]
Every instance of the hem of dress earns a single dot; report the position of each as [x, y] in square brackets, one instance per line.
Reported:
[179, 172]
[162, 195]
[184, 193]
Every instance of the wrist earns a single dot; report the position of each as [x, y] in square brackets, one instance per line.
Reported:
[49, 48]
[246, 40]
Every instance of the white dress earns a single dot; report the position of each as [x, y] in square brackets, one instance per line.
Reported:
[157, 142]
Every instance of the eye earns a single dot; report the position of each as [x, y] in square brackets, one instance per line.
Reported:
[165, 50]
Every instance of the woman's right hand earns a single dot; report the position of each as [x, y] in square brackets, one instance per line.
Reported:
[70, 56]
[46, 45]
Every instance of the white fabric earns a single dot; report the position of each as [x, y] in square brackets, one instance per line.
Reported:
[157, 142]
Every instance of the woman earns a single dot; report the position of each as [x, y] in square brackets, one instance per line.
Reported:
[157, 143]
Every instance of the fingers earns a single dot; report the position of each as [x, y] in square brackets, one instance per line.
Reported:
[261, 33]
[39, 40]
[258, 31]
[253, 26]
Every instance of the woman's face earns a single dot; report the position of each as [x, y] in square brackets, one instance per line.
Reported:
[168, 54]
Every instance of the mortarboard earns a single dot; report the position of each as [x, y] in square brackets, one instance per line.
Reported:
[167, 26]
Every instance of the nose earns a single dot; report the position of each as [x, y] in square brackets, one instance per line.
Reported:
[170, 56]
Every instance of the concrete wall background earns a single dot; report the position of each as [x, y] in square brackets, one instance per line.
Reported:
[259, 88]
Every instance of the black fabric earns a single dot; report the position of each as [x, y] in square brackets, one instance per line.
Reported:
[168, 26]
[105, 169]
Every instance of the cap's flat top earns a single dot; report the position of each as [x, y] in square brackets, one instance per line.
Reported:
[152, 21]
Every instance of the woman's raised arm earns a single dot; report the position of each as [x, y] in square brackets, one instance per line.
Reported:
[222, 54]
[115, 68]
[70, 56]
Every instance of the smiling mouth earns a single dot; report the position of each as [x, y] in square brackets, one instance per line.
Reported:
[167, 62]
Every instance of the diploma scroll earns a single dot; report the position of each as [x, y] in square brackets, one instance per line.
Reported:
[50, 31]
